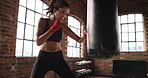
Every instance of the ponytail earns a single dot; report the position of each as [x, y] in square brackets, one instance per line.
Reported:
[56, 4]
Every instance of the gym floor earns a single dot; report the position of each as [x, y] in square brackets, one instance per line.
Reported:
[110, 77]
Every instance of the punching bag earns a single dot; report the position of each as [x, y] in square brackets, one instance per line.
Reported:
[102, 29]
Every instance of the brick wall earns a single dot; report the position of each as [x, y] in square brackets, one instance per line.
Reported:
[104, 67]
[8, 18]
[20, 67]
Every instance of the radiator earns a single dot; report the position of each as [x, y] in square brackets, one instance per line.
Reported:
[129, 68]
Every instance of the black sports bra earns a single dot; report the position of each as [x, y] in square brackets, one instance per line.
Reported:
[56, 36]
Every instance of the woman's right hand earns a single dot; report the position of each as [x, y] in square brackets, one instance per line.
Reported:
[57, 25]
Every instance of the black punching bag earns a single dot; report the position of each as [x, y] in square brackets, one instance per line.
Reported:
[102, 26]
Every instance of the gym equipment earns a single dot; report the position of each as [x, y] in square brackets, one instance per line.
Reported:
[102, 29]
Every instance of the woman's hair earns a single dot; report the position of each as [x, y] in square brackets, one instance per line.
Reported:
[56, 4]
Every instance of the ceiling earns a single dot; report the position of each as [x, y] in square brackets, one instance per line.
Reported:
[120, 2]
[126, 2]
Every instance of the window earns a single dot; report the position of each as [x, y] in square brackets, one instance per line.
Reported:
[73, 49]
[29, 13]
[131, 32]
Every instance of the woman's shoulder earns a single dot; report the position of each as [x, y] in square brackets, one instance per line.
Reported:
[43, 18]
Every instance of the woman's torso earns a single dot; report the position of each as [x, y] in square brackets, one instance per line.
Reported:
[53, 42]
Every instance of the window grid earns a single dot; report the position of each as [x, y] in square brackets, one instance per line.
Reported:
[73, 48]
[28, 17]
[131, 37]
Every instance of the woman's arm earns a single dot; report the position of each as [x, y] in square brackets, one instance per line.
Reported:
[41, 38]
[71, 34]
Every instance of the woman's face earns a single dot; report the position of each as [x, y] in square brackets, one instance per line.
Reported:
[61, 13]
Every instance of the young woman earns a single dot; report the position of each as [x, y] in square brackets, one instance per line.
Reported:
[49, 35]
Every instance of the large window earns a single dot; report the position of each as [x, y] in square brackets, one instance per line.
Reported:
[73, 49]
[131, 32]
[29, 13]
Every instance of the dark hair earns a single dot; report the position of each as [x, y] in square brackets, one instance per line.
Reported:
[56, 4]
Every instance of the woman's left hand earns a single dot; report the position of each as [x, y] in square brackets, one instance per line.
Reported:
[85, 34]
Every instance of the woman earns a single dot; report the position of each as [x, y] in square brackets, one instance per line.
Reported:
[49, 35]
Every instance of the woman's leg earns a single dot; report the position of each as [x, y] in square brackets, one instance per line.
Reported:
[61, 67]
[64, 71]
[39, 70]
[41, 66]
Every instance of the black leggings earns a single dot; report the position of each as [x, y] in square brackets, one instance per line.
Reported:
[53, 61]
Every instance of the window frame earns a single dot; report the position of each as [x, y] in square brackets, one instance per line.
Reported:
[128, 32]
[77, 45]
[27, 37]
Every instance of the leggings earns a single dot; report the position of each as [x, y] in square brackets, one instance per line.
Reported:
[53, 61]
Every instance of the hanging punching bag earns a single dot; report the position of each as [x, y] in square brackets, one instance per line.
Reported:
[102, 25]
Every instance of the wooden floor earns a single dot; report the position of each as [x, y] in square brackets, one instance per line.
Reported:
[98, 77]
[112, 77]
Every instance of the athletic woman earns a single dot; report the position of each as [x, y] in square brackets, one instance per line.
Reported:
[49, 34]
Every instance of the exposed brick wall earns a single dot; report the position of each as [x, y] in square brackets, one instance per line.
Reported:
[20, 67]
[78, 9]
[103, 67]
[7, 67]
[8, 18]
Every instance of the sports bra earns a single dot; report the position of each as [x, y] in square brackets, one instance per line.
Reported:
[56, 36]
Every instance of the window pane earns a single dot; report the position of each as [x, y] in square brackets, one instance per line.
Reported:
[124, 36]
[19, 47]
[29, 32]
[119, 19]
[139, 27]
[78, 44]
[23, 2]
[30, 17]
[70, 42]
[35, 49]
[74, 30]
[69, 52]
[131, 32]
[79, 53]
[132, 46]
[78, 24]
[28, 21]
[21, 14]
[125, 28]
[131, 27]
[74, 25]
[131, 18]
[37, 17]
[39, 6]
[120, 37]
[35, 30]
[131, 36]
[20, 30]
[139, 36]
[74, 52]
[73, 43]
[140, 46]
[70, 20]
[124, 19]
[45, 7]
[139, 18]
[27, 48]
[31, 4]
[124, 47]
